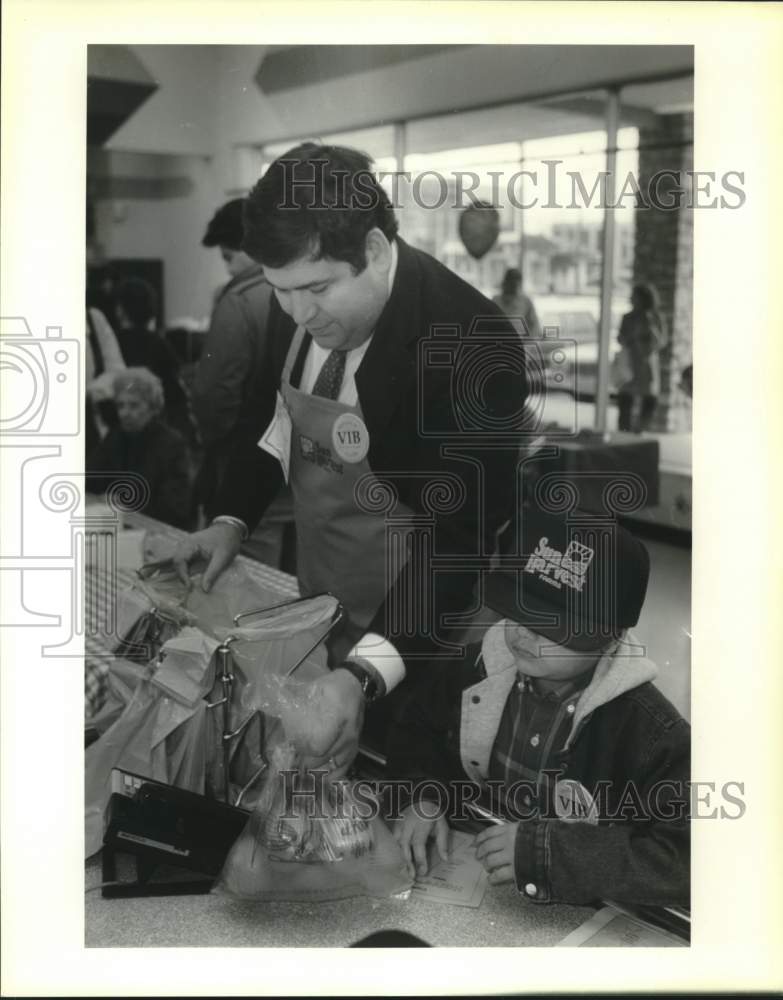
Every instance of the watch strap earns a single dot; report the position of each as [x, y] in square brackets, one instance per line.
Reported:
[372, 684]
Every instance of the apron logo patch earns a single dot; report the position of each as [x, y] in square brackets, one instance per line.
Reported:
[558, 568]
[350, 438]
[312, 451]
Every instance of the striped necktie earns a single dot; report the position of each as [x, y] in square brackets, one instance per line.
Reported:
[330, 377]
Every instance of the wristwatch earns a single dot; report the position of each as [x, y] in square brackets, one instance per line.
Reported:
[369, 680]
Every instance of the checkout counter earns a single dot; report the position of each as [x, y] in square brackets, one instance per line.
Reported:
[496, 916]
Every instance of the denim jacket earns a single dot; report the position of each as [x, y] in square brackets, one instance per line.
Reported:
[626, 763]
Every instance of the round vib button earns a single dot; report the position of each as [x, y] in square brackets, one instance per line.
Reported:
[574, 804]
[350, 438]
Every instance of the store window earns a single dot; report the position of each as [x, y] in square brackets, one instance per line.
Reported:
[543, 166]
[662, 148]
[542, 180]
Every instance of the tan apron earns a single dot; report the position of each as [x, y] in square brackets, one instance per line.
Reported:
[341, 548]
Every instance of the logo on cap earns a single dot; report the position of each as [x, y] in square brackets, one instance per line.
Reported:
[578, 557]
[557, 568]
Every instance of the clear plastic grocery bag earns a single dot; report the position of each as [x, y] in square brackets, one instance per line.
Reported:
[274, 657]
[316, 840]
[158, 604]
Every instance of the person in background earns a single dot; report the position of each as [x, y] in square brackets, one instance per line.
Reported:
[683, 405]
[642, 334]
[102, 282]
[228, 375]
[558, 729]
[103, 360]
[142, 443]
[515, 304]
[136, 309]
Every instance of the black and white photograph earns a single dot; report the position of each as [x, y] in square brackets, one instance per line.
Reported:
[363, 509]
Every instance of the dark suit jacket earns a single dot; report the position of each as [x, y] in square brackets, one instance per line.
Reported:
[442, 372]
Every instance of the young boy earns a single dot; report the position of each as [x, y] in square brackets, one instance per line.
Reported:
[553, 723]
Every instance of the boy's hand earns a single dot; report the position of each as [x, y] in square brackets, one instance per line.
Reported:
[495, 850]
[412, 833]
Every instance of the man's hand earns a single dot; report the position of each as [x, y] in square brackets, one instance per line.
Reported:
[218, 544]
[495, 850]
[325, 728]
[412, 833]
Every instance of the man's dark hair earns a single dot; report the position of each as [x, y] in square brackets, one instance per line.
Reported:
[225, 228]
[318, 201]
[138, 299]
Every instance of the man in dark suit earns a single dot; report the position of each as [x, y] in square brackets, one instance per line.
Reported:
[391, 388]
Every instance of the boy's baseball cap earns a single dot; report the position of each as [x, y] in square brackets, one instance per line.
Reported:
[579, 578]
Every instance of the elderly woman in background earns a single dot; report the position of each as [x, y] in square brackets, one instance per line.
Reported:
[143, 444]
[642, 335]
